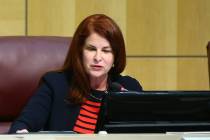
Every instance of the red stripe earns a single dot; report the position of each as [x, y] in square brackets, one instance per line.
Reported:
[93, 103]
[85, 125]
[85, 119]
[91, 109]
[86, 113]
[82, 130]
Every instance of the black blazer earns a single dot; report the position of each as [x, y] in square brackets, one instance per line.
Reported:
[47, 109]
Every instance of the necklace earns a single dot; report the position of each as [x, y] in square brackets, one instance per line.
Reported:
[94, 97]
[100, 99]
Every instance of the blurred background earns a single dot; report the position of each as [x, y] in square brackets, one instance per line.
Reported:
[165, 39]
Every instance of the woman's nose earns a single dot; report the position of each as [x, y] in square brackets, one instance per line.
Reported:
[97, 56]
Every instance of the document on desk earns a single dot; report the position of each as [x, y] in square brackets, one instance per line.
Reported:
[193, 135]
[205, 135]
[196, 138]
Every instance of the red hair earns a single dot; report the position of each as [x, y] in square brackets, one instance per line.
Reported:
[105, 27]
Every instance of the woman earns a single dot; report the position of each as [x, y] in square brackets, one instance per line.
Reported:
[70, 99]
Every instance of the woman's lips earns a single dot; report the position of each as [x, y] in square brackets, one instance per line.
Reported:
[96, 67]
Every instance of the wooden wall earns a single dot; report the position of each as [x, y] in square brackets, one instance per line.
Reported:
[166, 39]
[12, 17]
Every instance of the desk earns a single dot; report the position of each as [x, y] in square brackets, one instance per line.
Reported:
[147, 136]
[91, 137]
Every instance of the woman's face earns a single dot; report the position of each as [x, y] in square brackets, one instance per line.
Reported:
[98, 57]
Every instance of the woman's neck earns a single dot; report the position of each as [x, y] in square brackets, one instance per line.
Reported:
[99, 83]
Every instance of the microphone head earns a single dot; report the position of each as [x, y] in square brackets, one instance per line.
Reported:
[115, 87]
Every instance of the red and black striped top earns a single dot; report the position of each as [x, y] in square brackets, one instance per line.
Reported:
[89, 113]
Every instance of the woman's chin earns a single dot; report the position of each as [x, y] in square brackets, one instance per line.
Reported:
[97, 75]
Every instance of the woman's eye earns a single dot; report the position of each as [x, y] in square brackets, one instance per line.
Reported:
[90, 48]
[107, 51]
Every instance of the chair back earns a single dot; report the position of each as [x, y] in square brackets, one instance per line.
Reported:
[23, 60]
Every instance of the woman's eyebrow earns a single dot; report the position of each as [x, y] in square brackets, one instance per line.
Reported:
[90, 45]
[107, 47]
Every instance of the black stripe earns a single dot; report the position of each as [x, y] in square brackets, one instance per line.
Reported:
[88, 116]
[88, 111]
[85, 121]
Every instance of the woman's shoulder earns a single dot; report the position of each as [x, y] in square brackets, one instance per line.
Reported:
[128, 82]
[125, 78]
[55, 77]
[54, 74]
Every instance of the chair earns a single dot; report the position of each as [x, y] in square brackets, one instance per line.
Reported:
[208, 55]
[23, 60]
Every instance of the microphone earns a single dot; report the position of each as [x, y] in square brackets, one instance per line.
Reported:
[114, 87]
[117, 87]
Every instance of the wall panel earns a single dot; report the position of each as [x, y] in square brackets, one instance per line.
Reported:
[193, 26]
[193, 73]
[153, 73]
[51, 17]
[161, 73]
[113, 8]
[151, 27]
[12, 17]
